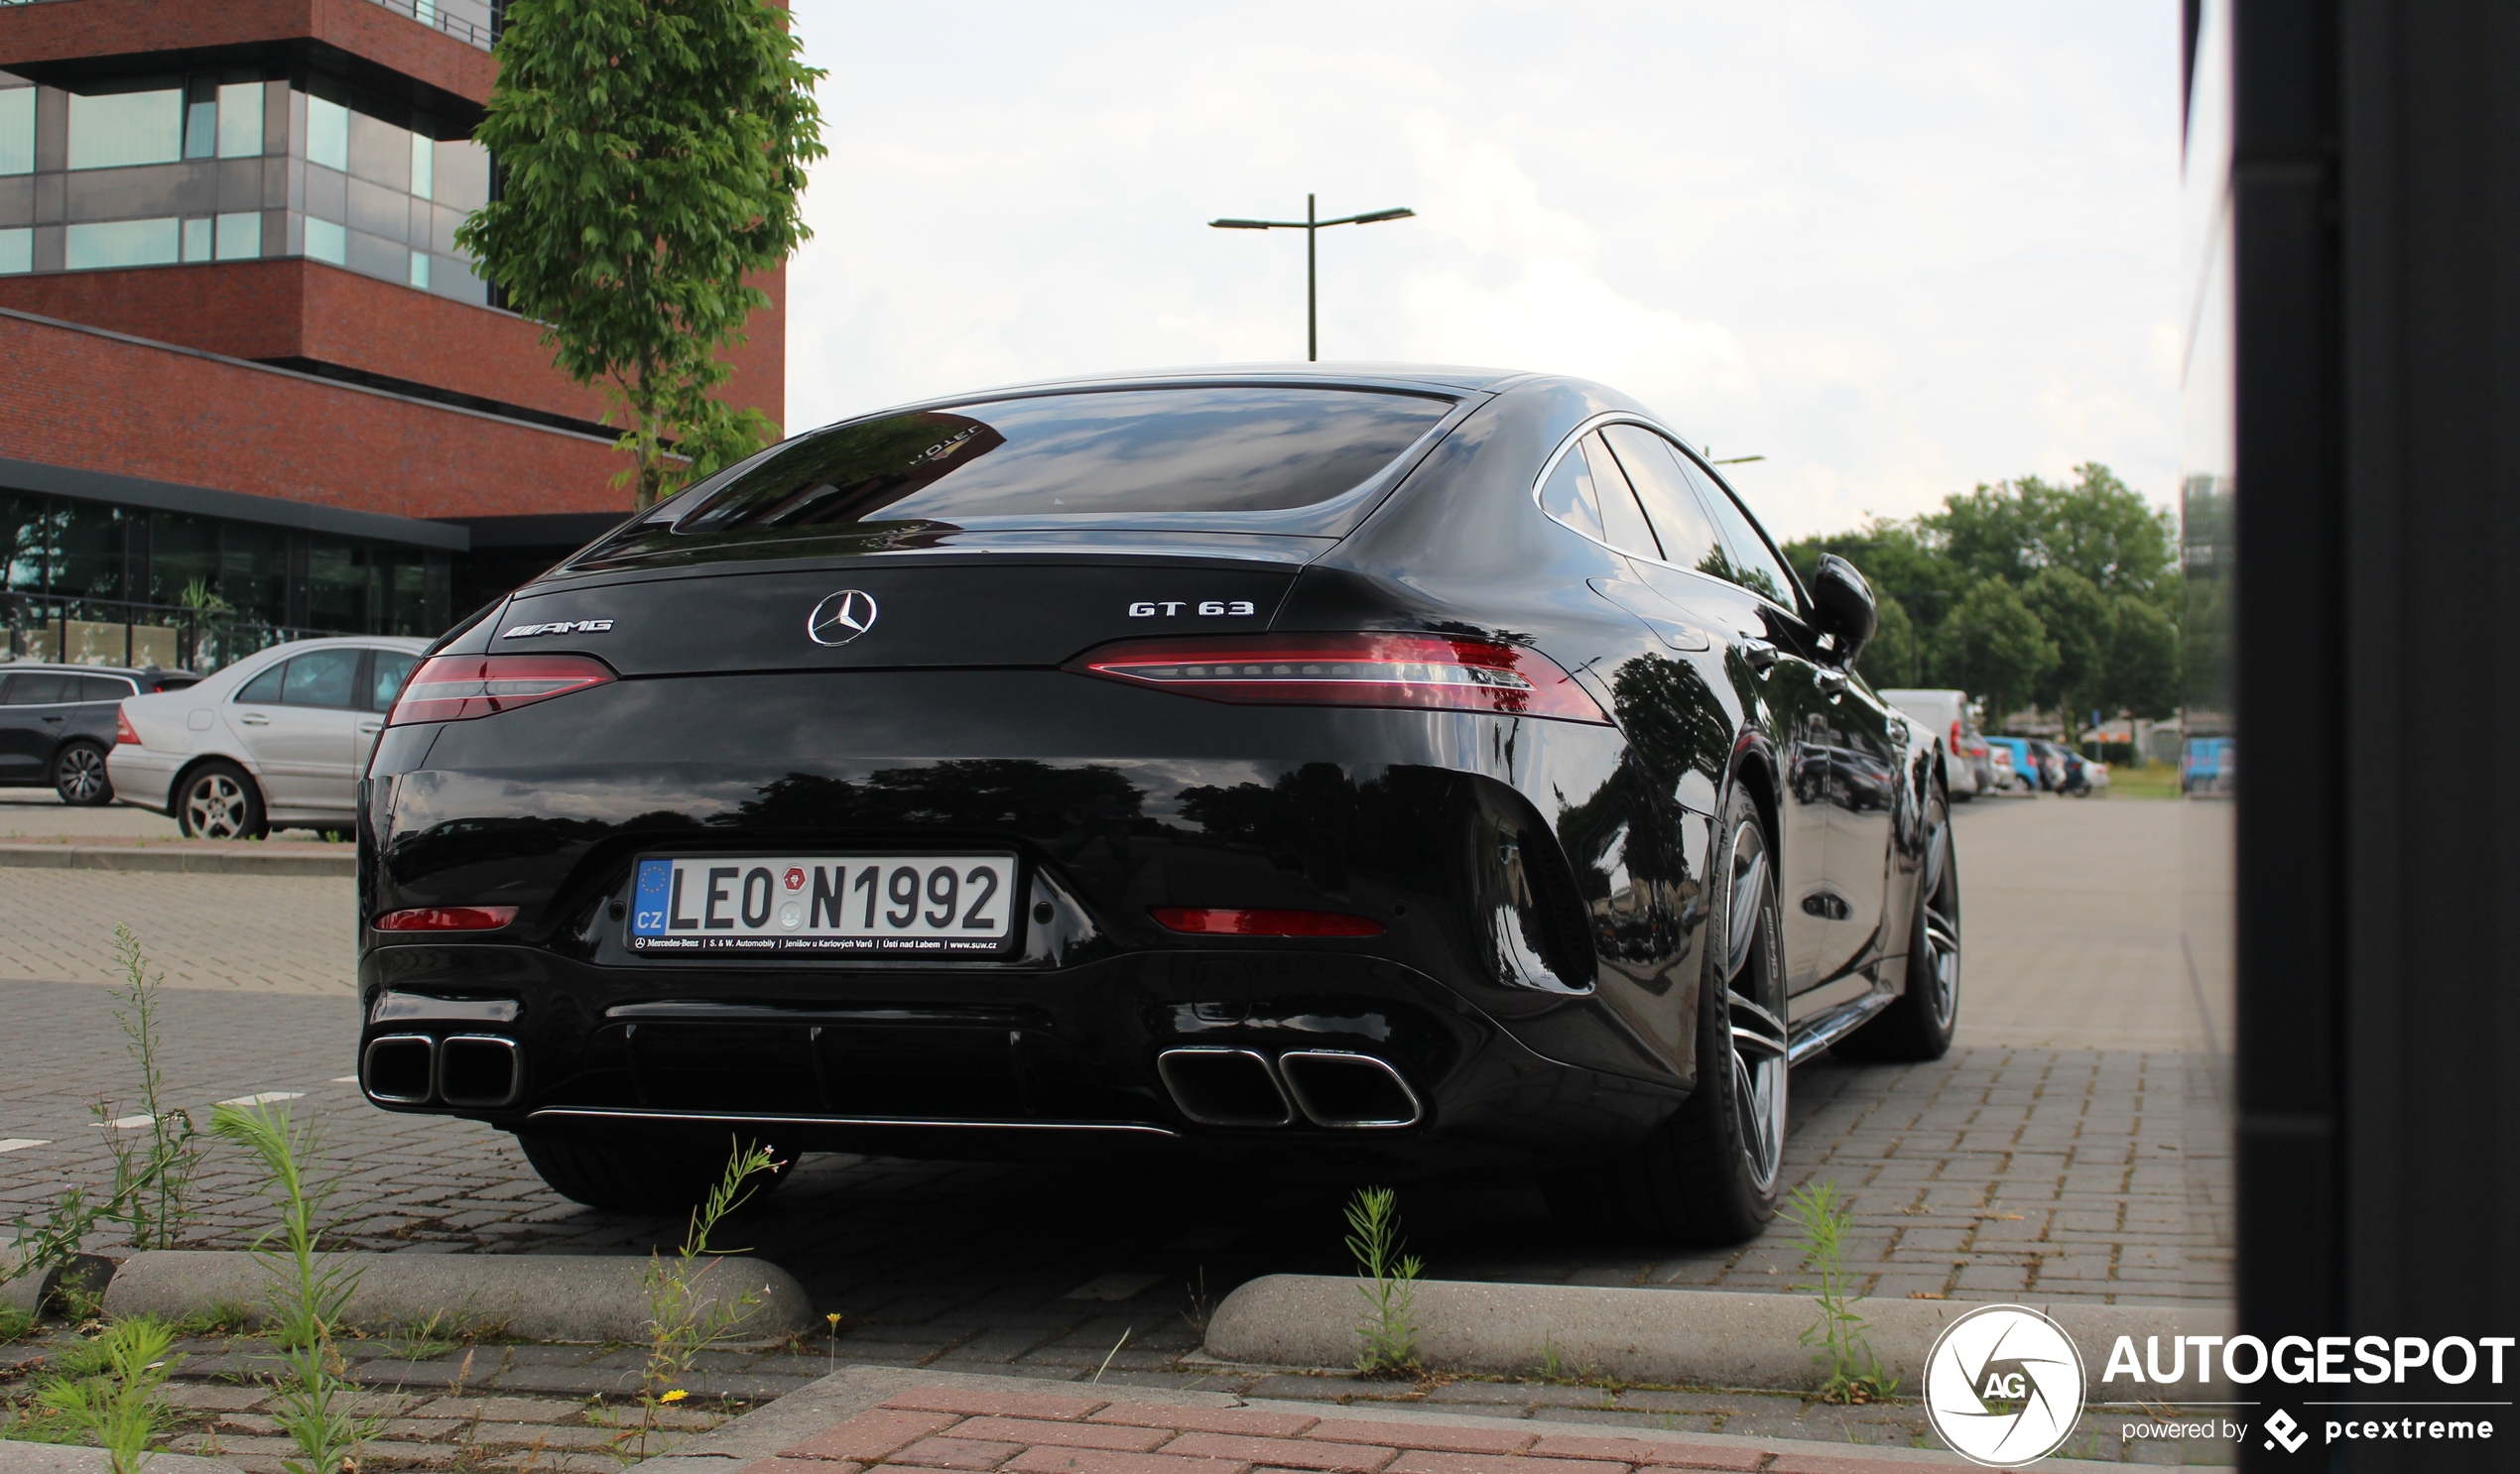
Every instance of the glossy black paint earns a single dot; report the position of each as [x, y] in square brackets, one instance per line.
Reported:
[1538, 880]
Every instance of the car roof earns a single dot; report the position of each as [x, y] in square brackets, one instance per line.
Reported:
[49, 667]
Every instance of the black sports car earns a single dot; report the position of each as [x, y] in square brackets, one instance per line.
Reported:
[1401, 769]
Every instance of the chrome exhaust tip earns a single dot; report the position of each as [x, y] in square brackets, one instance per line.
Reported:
[1348, 1092]
[479, 1070]
[399, 1069]
[1223, 1087]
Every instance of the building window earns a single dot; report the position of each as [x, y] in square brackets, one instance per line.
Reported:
[17, 131]
[240, 236]
[326, 241]
[109, 243]
[115, 129]
[240, 120]
[16, 250]
[327, 134]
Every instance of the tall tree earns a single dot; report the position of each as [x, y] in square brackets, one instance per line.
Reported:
[651, 155]
[1993, 647]
[2098, 527]
[2080, 622]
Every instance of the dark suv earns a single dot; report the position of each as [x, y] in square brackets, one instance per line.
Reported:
[56, 723]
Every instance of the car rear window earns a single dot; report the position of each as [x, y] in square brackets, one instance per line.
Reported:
[1046, 458]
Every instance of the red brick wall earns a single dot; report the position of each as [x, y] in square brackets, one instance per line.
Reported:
[83, 400]
[307, 310]
[86, 29]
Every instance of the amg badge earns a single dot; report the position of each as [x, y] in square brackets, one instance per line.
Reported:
[560, 627]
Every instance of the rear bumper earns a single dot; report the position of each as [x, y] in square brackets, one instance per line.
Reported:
[1217, 1053]
[142, 776]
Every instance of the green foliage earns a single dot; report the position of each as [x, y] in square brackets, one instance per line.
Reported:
[1992, 645]
[15, 1325]
[312, 1396]
[2090, 560]
[1820, 1211]
[1387, 1279]
[117, 1403]
[687, 1313]
[651, 154]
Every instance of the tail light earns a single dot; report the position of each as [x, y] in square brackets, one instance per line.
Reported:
[1958, 747]
[1201, 922]
[448, 918]
[460, 688]
[1361, 670]
[125, 735]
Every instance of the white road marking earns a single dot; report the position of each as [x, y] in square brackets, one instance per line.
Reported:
[265, 1098]
[126, 1123]
[19, 1143]
[1112, 1287]
[345, 1079]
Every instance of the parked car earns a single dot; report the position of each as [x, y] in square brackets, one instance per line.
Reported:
[2209, 765]
[2051, 760]
[1945, 717]
[56, 723]
[2016, 765]
[1357, 771]
[276, 740]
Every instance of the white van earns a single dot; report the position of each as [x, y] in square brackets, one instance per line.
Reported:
[1945, 715]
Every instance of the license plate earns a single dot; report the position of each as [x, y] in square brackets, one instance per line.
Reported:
[887, 904]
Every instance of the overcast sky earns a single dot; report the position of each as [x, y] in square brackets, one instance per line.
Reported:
[1896, 248]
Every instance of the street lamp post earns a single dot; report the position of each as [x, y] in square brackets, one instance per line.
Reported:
[1312, 229]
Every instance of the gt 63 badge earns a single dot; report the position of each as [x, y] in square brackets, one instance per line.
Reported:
[1170, 608]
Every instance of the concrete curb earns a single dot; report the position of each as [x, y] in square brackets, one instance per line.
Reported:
[810, 1410]
[1679, 1337]
[529, 1296]
[225, 860]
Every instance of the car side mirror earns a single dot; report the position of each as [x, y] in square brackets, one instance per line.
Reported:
[1846, 605]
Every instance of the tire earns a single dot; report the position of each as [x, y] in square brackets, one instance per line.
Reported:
[220, 801]
[1918, 1026]
[80, 777]
[1711, 1172]
[627, 1178]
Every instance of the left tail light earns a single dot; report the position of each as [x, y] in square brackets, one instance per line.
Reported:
[461, 687]
[125, 735]
[448, 918]
[1359, 670]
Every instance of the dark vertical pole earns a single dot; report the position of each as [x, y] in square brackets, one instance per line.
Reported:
[1311, 309]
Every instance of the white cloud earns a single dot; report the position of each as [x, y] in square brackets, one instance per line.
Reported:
[1897, 248]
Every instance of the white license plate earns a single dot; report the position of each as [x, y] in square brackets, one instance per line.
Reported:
[893, 904]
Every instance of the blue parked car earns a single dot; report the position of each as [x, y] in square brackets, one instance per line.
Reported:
[2208, 764]
[2026, 769]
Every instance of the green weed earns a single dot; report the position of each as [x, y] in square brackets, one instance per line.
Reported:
[684, 1316]
[117, 1405]
[1387, 1279]
[1821, 1214]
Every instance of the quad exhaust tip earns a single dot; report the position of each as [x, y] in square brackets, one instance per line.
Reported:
[1335, 1088]
[1351, 1091]
[474, 1071]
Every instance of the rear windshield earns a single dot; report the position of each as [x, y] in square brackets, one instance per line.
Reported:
[1151, 452]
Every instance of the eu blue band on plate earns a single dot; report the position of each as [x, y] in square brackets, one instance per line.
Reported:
[655, 890]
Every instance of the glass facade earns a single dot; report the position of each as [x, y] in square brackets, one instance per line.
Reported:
[96, 564]
[164, 169]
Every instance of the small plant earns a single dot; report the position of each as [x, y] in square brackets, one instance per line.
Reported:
[684, 1316]
[153, 1179]
[1820, 1211]
[15, 1325]
[419, 1340]
[1387, 1335]
[312, 1397]
[57, 1239]
[117, 1404]
[1114, 1351]
[219, 1318]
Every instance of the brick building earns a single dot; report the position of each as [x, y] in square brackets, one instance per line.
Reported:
[242, 363]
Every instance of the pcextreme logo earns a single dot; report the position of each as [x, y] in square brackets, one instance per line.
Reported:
[2004, 1385]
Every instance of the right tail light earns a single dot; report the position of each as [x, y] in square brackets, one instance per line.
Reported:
[1434, 671]
[461, 687]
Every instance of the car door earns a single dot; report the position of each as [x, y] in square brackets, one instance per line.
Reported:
[387, 669]
[29, 722]
[1696, 570]
[300, 721]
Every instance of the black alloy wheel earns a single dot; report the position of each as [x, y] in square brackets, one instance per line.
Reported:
[636, 1177]
[1918, 1026]
[1710, 1173]
[79, 774]
[219, 801]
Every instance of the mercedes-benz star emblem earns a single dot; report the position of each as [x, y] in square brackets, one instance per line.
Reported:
[841, 617]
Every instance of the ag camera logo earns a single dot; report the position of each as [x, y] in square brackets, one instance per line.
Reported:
[2004, 1385]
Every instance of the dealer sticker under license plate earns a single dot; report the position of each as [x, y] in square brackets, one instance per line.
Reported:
[904, 905]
